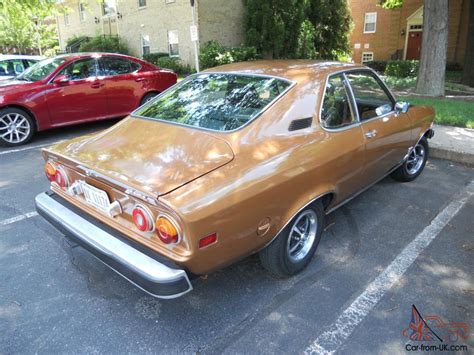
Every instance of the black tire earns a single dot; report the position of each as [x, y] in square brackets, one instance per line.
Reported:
[17, 127]
[148, 97]
[410, 170]
[276, 257]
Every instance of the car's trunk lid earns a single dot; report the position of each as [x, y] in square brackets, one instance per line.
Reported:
[148, 155]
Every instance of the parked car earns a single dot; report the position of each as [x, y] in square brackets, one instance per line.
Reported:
[12, 65]
[76, 88]
[239, 159]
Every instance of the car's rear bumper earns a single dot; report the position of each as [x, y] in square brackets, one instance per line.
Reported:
[155, 275]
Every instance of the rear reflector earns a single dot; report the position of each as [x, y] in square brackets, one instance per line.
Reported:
[204, 242]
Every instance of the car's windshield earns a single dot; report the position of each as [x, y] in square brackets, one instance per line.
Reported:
[41, 70]
[216, 101]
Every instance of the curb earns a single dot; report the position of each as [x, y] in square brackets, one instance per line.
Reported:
[458, 157]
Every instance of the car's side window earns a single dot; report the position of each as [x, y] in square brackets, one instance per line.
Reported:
[116, 66]
[371, 97]
[336, 109]
[81, 69]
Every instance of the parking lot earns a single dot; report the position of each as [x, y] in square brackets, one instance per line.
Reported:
[394, 246]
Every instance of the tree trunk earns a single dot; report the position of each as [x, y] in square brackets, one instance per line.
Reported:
[468, 66]
[433, 49]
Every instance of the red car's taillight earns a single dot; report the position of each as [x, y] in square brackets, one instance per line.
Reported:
[142, 219]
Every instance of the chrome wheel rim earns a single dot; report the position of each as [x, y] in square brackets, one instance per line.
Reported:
[14, 127]
[415, 159]
[302, 236]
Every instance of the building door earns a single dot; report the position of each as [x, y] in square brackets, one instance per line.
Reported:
[414, 45]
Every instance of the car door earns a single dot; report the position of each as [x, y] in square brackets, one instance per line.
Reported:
[387, 133]
[124, 88]
[80, 97]
[344, 138]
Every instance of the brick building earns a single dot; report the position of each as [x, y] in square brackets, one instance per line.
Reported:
[149, 26]
[381, 34]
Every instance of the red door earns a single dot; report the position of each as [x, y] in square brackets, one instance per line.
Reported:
[414, 45]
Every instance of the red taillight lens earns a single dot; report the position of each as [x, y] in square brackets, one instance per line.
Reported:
[61, 178]
[142, 219]
[166, 230]
[204, 242]
[50, 171]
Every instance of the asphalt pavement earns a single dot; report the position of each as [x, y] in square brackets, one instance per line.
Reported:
[394, 246]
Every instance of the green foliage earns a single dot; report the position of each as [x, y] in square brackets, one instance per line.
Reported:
[390, 4]
[299, 28]
[402, 68]
[377, 65]
[153, 57]
[449, 112]
[74, 39]
[333, 23]
[213, 54]
[23, 25]
[168, 62]
[400, 84]
[110, 44]
[272, 26]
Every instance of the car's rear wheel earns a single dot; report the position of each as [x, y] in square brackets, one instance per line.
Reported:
[148, 97]
[293, 248]
[414, 164]
[17, 127]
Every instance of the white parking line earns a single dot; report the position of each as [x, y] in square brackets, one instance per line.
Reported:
[338, 332]
[18, 218]
[28, 148]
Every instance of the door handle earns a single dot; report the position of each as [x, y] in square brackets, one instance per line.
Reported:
[371, 134]
[96, 85]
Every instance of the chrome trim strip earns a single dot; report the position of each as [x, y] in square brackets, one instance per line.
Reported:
[275, 100]
[107, 244]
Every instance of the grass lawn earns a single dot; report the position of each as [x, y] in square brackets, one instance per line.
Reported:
[448, 112]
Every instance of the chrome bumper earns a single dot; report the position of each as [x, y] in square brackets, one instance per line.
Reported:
[146, 272]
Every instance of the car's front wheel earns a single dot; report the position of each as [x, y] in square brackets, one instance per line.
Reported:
[16, 127]
[293, 248]
[414, 164]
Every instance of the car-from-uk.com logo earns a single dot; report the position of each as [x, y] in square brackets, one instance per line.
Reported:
[432, 333]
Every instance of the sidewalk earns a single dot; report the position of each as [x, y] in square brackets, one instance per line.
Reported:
[453, 143]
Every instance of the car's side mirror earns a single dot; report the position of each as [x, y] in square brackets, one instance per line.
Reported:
[402, 106]
[61, 79]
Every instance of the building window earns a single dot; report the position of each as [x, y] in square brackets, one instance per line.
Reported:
[109, 7]
[367, 57]
[173, 43]
[145, 44]
[66, 19]
[82, 12]
[370, 22]
[416, 27]
[141, 3]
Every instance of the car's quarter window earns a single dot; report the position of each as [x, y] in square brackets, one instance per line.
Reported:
[372, 99]
[116, 66]
[81, 69]
[41, 70]
[217, 101]
[336, 109]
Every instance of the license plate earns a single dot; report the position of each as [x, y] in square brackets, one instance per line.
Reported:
[95, 196]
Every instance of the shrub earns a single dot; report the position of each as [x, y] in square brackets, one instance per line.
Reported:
[378, 65]
[75, 39]
[111, 44]
[213, 54]
[402, 68]
[174, 64]
[153, 57]
[453, 66]
[400, 84]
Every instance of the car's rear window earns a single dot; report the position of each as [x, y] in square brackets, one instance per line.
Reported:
[217, 101]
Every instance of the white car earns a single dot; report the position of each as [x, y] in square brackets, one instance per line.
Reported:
[12, 65]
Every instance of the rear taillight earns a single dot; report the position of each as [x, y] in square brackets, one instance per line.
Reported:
[166, 230]
[142, 219]
[56, 173]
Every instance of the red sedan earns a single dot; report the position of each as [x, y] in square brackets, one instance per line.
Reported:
[76, 88]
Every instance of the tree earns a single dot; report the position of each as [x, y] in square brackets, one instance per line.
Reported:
[272, 26]
[434, 46]
[23, 25]
[332, 23]
[468, 70]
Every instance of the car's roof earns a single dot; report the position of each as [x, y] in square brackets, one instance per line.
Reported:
[295, 70]
[73, 56]
[19, 56]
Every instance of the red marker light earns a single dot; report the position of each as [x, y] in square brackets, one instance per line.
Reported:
[208, 240]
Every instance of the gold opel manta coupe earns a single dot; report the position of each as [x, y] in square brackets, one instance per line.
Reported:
[238, 159]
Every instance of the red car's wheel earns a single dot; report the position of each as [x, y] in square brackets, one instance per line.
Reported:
[16, 127]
